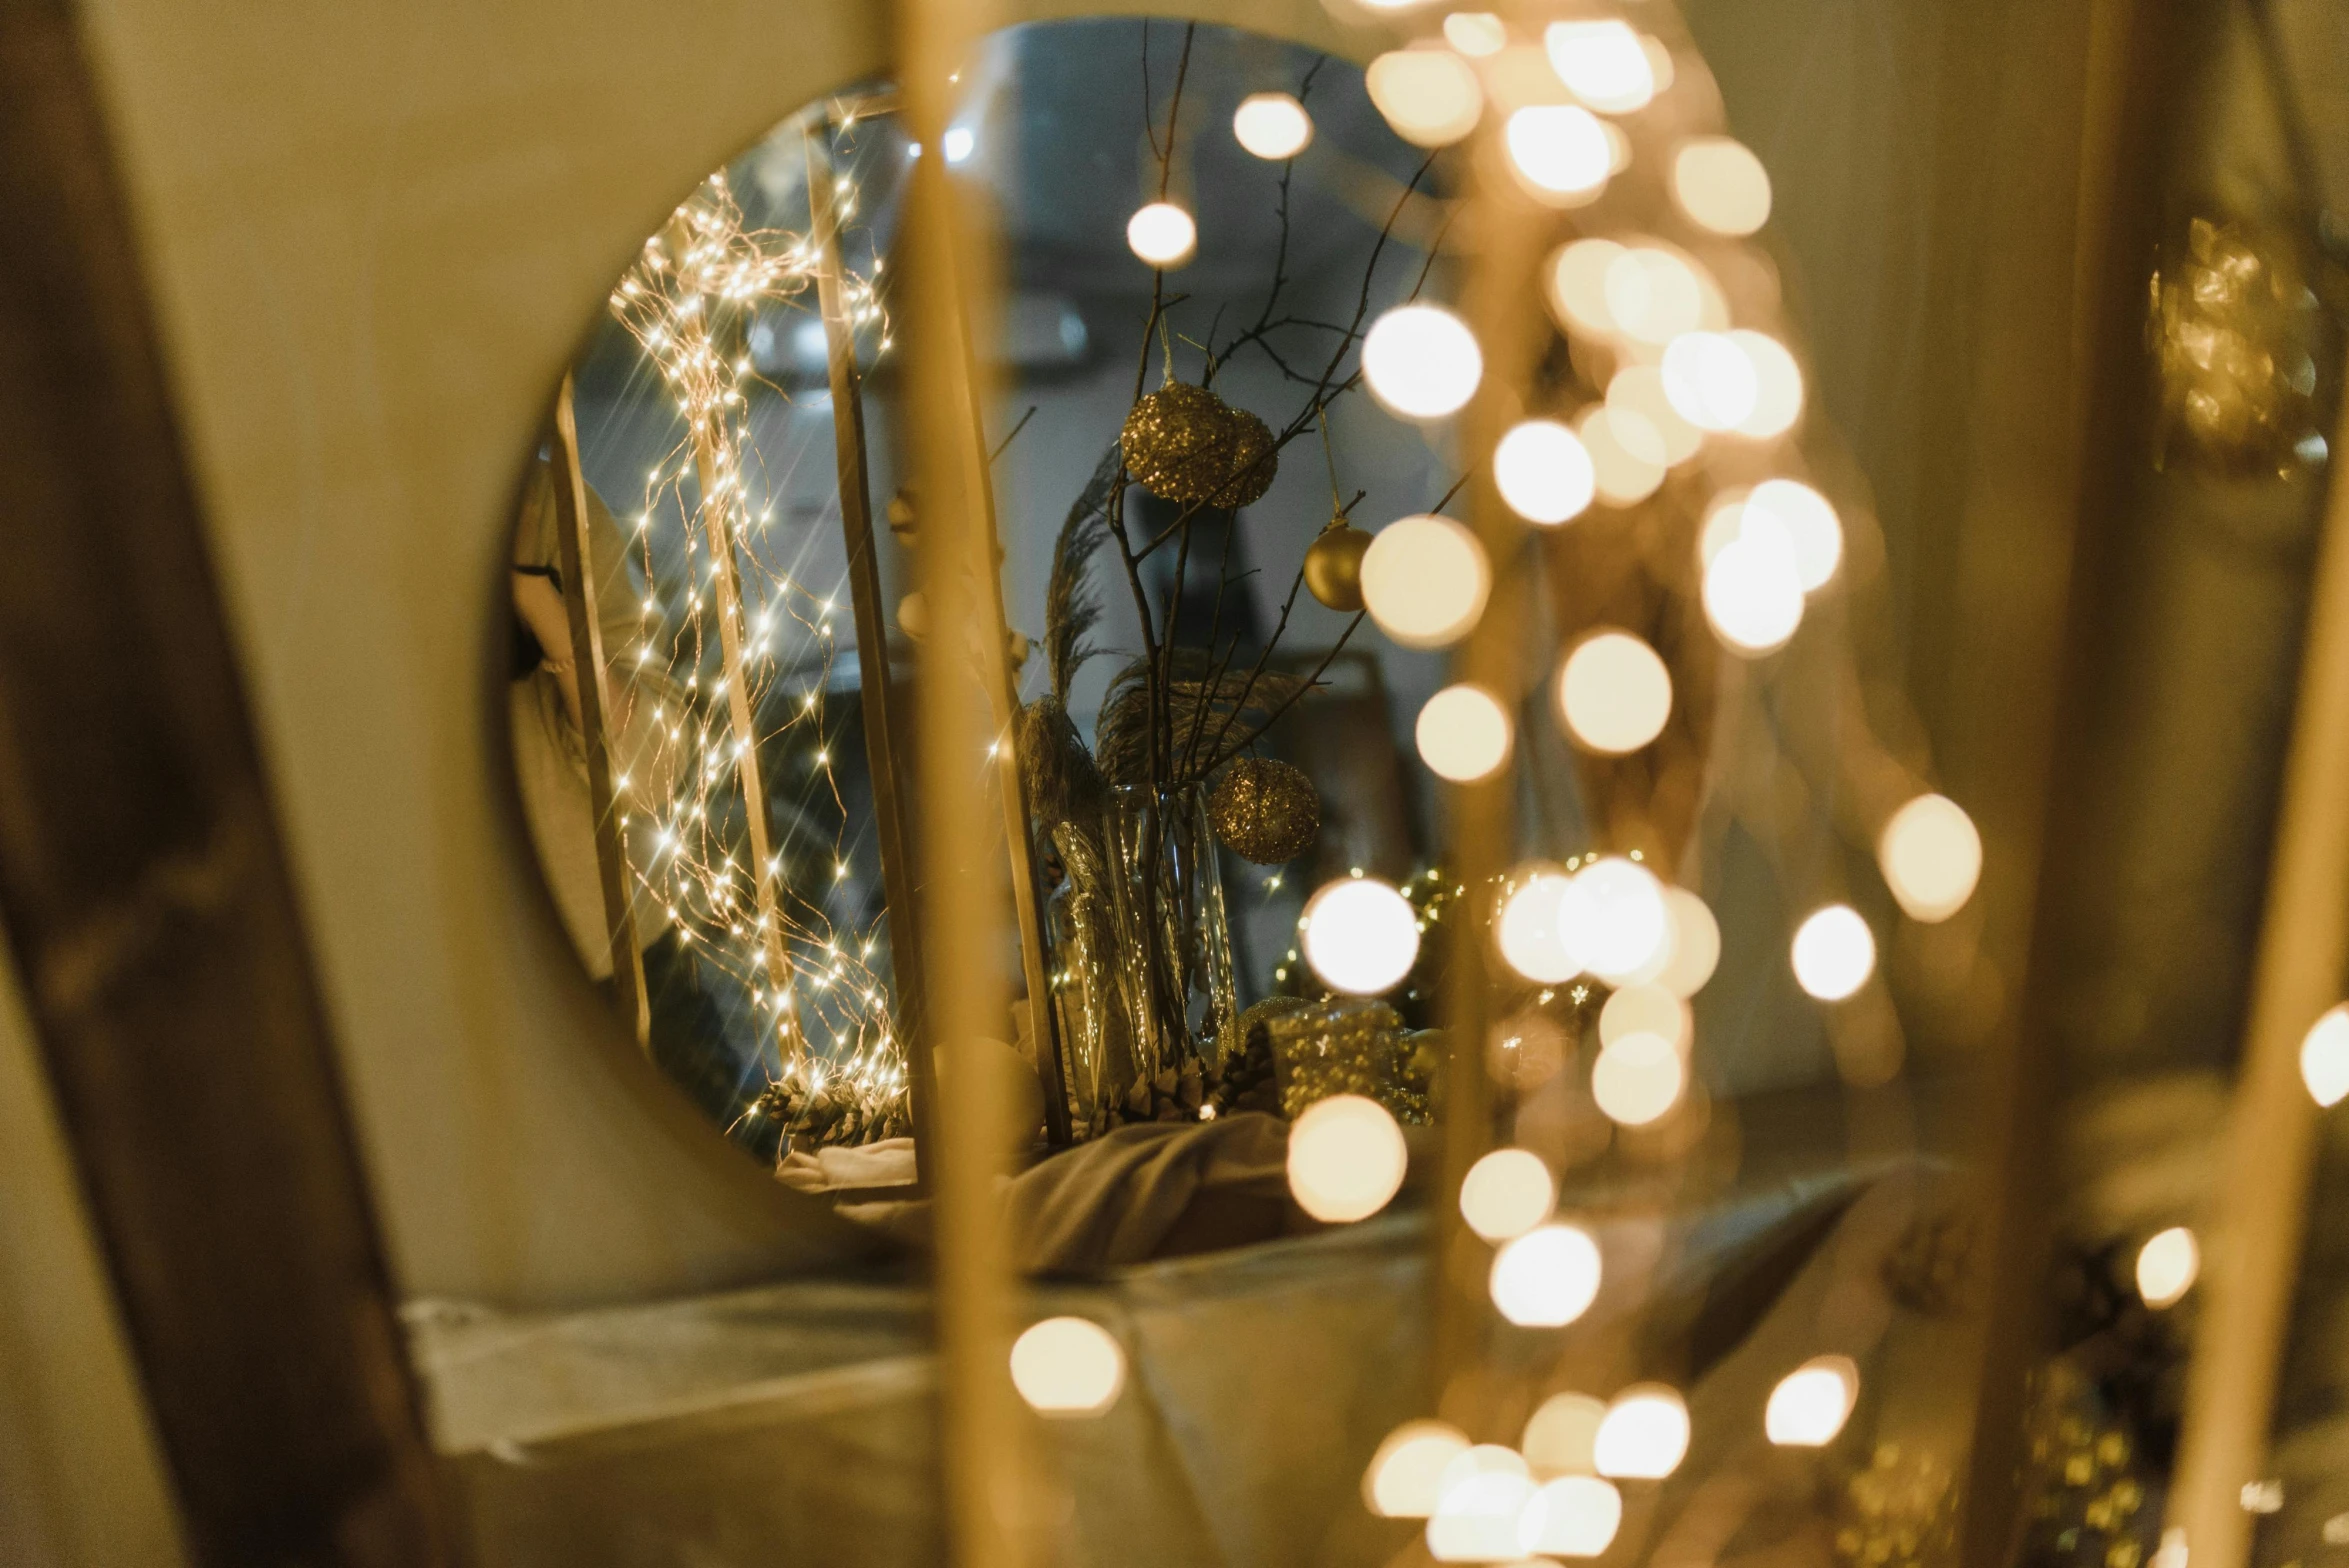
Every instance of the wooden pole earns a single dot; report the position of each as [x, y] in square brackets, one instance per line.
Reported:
[577, 552]
[2253, 1233]
[883, 751]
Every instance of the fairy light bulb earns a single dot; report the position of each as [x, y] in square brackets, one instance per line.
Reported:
[1272, 126]
[1429, 97]
[1573, 1516]
[1424, 581]
[1543, 472]
[1507, 1193]
[1753, 589]
[1778, 386]
[1709, 380]
[1614, 693]
[1721, 185]
[1647, 1009]
[1644, 1435]
[1528, 932]
[1811, 1403]
[1162, 234]
[1360, 936]
[1464, 734]
[1810, 523]
[1401, 1479]
[1560, 150]
[1611, 917]
[1068, 1366]
[1638, 1079]
[1346, 1159]
[1931, 857]
[2167, 1266]
[1561, 1437]
[1421, 361]
[2324, 1057]
[1602, 63]
[1547, 1277]
[1696, 943]
[1833, 953]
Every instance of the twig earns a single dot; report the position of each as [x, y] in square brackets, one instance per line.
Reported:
[1000, 446]
[1273, 717]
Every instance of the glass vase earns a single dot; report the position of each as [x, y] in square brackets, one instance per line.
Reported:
[1173, 938]
[1097, 1061]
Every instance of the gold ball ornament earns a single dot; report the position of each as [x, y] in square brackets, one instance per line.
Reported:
[1333, 566]
[1264, 811]
[1184, 444]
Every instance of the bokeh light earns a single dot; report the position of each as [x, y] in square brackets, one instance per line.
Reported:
[1507, 1193]
[1542, 471]
[1931, 857]
[1778, 386]
[1709, 380]
[1346, 1159]
[1429, 96]
[1626, 454]
[1421, 361]
[1547, 1277]
[1614, 693]
[1645, 1434]
[1654, 295]
[1402, 1477]
[1647, 1009]
[1528, 932]
[1602, 63]
[1561, 1437]
[1477, 1514]
[1162, 234]
[1560, 150]
[1811, 526]
[1638, 1079]
[1811, 1403]
[2167, 1266]
[1573, 1516]
[1068, 1367]
[1360, 936]
[1696, 943]
[1639, 390]
[1272, 126]
[1753, 589]
[1424, 581]
[1476, 33]
[2324, 1057]
[1576, 280]
[1464, 733]
[1611, 918]
[1721, 185]
[1834, 953]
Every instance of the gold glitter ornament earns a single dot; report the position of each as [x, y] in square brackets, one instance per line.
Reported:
[2231, 326]
[1264, 811]
[1333, 566]
[1184, 444]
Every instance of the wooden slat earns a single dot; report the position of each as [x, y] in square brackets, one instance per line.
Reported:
[151, 910]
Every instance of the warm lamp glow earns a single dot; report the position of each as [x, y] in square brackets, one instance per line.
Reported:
[1931, 857]
[1429, 96]
[1401, 1481]
[1464, 733]
[1360, 936]
[1421, 361]
[1602, 63]
[1753, 589]
[1637, 1079]
[2324, 1057]
[1811, 1403]
[1273, 126]
[1811, 526]
[1542, 471]
[1346, 1159]
[1475, 33]
[1647, 1009]
[1614, 693]
[1696, 943]
[1546, 1278]
[1644, 1435]
[1834, 953]
[1560, 150]
[1573, 1516]
[1424, 580]
[1507, 1193]
[1530, 939]
[1721, 185]
[2167, 1266]
[1562, 1436]
[1068, 1367]
[1778, 386]
[1611, 918]
[1709, 380]
[1162, 234]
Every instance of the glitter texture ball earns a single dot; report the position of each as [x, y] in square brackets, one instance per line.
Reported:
[1333, 567]
[1184, 444]
[1264, 811]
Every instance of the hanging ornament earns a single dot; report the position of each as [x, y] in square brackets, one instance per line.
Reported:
[1184, 444]
[1333, 565]
[1264, 811]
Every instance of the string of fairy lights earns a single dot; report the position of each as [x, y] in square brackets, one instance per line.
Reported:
[708, 656]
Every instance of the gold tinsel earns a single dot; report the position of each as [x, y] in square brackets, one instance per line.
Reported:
[1264, 811]
[1348, 1045]
[1184, 444]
